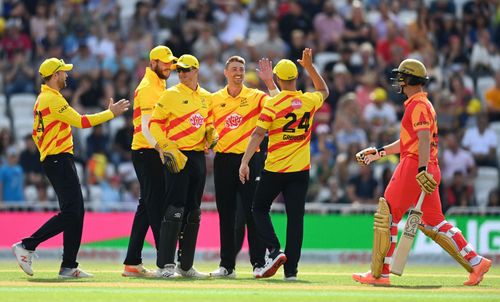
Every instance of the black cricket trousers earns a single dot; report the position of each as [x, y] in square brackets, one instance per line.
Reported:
[151, 175]
[61, 172]
[227, 188]
[294, 186]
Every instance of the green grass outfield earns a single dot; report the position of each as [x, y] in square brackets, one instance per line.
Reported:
[318, 282]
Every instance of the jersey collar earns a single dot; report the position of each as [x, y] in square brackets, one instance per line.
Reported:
[186, 89]
[244, 91]
[153, 77]
[419, 96]
[47, 88]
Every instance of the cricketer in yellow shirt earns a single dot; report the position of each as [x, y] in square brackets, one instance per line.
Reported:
[236, 109]
[287, 118]
[182, 125]
[53, 117]
[147, 161]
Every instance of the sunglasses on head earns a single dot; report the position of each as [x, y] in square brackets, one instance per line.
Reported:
[182, 69]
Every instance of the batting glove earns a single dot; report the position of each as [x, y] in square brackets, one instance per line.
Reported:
[370, 154]
[426, 182]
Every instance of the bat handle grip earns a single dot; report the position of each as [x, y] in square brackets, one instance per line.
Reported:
[420, 200]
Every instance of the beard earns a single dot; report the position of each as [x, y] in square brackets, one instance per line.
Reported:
[160, 74]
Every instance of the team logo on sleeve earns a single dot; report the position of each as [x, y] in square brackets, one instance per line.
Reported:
[196, 120]
[296, 103]
[233, 121]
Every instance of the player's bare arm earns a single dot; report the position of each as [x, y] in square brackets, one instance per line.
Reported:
[425, 179]
[318, 81]
[255, 140]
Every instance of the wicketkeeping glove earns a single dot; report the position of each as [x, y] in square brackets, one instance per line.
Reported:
[175, 161]
[368, 155]
[211, 137]
[426, 182]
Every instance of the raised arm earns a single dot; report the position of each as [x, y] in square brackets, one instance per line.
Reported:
[265, 73]
[318, 82]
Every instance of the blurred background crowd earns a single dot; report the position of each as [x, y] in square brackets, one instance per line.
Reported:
[355, 44]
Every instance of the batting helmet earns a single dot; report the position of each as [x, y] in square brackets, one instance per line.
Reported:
[411, 72]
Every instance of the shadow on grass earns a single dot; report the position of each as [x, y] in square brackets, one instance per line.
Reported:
[57, 280]
[278, 281]
[416, 286]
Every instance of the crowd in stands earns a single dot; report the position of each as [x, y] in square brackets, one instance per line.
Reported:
[355, 43]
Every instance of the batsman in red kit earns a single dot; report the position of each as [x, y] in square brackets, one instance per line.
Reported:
[417, 171]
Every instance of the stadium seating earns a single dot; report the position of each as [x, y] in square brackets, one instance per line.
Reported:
[486, 180]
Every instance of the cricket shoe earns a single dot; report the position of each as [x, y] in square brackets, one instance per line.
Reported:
[137, 271]
[24, 257]
[190, 273]
[367, 278]
[272, 265]
[478, 272]
[73, 273]
[167, 272]
[290, 278]
[222, 272]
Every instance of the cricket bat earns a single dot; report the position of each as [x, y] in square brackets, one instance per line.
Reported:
[406, 240]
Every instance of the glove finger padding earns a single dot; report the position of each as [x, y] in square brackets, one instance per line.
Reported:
[211, 136]
[366, 156]
[175, 161]
[426, 182]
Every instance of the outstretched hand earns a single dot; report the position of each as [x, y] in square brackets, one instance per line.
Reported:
[119, 107]
[265, 69]
[306, 60]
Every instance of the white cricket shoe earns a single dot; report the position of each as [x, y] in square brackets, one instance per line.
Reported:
[24, 257]
[191, 273]
[73, 273]
[222, 272]
[167, 272]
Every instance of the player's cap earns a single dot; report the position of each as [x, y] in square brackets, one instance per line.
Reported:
[186, 61]
[286, 70]
[378, 95]
[162, 53]
[53, 65]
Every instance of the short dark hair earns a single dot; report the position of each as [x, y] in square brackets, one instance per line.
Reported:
[235, 59]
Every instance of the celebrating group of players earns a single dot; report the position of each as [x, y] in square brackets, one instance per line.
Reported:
[174, 127]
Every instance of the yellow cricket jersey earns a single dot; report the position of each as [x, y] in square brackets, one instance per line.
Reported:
[53, 117]
[145, 97]
[288, 118]
[181, 116]
[235, 118]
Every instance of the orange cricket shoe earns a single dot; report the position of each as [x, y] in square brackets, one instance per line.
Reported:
[137, 271]
[478, 272]
[367, 278]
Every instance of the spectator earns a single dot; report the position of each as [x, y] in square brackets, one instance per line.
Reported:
[482, 142]
[394, 39]
[206, 43]
[123, 141]
[456, 159]
[494, 198]
[459, 193]
[14, 40]
[379, 115]
[6, 140]
[362, 188]
[11, 178]
[19, 75]
[295, 19]
[30, 161]
[329, 27]
[492, 98]
[97, 142]
[357, 30]
[232, 21]
[273, 47]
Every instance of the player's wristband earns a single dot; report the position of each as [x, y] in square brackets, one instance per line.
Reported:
[423, 168]
[381, 151]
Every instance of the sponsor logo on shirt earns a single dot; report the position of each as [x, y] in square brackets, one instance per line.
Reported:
[287, 137]
[196, 120]
[233, 121]
[296, 103]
